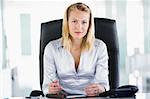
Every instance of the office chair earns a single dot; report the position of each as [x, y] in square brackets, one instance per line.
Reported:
[105, 30]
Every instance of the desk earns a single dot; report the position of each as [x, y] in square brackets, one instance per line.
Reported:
[142, 95]
[138, 96]
[73, 98]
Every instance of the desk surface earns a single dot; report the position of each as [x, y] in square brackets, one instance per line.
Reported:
[71, 98]
[138, 96]
[143, 96]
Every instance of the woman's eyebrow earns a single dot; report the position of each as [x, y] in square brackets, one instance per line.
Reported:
[80, 19]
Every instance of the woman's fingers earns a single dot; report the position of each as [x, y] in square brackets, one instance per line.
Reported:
[54, 87]
[91, 92]
[93, 89]
[54, 90]
[55, 84]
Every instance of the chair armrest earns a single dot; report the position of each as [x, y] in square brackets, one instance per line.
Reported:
[35, 93]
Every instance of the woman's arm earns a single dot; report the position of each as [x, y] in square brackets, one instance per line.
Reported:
[49, 69]
[101, 76]
[100, 82]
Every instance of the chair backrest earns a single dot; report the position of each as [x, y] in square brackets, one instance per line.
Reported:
[105, 30]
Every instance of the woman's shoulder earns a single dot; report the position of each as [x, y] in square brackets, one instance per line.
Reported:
[55, 43]
[99, 42]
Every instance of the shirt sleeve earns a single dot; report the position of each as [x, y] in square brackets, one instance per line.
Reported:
[101, 75]
[49, 67]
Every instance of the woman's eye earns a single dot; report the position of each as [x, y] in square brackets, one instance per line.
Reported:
[74, 21]
[84, 22]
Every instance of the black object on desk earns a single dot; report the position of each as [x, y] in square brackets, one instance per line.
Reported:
[61, 95]
[122, 91]
[36, 93]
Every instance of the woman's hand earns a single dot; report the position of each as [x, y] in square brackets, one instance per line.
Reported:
[94, 89]
[54, 87]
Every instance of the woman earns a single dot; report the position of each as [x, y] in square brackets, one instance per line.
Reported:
[77, 62]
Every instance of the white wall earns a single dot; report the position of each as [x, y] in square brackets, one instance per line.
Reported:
[0, 38]
[5, 83]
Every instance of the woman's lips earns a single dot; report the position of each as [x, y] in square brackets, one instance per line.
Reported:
[78, 32]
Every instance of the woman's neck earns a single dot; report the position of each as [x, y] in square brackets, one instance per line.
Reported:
[76, 44]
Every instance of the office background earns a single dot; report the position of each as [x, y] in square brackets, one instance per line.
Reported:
[20, 22]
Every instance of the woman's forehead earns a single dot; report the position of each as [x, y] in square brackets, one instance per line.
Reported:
[77, 14]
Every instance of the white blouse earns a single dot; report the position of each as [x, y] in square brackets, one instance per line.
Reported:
[59, 65]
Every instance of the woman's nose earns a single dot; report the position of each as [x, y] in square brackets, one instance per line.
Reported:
[79, 26]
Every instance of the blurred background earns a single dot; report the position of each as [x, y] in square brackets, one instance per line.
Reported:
[20, 22]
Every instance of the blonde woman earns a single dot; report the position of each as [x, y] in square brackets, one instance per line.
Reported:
[77, 62]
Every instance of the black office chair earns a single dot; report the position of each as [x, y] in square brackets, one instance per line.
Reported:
[105, 30]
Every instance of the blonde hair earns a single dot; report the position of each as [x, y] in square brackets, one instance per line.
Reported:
[88, 39]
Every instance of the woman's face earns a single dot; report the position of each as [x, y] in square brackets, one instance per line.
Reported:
[78, 22]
